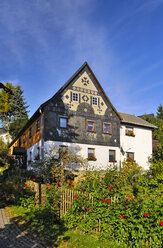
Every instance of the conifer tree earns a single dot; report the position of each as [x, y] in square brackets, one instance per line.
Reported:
[5, 107]
[19, 111]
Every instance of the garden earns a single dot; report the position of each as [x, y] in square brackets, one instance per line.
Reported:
[102, 208]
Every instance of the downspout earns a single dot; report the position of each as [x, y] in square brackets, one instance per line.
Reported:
[42, 135]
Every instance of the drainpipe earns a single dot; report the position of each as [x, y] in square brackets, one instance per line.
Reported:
[42, 136]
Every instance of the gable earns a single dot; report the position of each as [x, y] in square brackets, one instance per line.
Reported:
[89, 90]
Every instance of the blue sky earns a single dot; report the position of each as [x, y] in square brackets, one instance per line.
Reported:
[43, 42]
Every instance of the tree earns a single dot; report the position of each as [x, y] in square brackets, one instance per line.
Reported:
[57, 163]
[5, 106]
[19, 111]
[3, 152]
[160, 112]
[13, 109]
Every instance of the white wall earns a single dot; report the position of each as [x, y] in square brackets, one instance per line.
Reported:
[101, 153]
[33, 150]
[141, 145]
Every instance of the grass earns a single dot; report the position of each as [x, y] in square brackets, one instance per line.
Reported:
[55, 235]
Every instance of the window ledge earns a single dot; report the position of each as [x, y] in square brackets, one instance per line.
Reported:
[112, 161]
[130, 134]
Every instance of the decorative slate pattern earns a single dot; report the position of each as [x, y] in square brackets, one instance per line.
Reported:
[79, 89]
[85, 98]
[85, 81]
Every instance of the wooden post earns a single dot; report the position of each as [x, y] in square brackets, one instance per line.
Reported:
[39, 192]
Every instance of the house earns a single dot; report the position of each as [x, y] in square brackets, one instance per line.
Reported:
[80, 114]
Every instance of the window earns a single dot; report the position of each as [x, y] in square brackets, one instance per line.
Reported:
[91, 152]
[94, 101]
[130, 131]
[75, 97]
[63, 122]
[130, 155]
[112, 156]
[37, 125]
[91, 126]
[30, 132]
[106, 128]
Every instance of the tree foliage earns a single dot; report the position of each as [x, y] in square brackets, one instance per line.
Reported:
[5, 106]
[157, 132]
[3, 152]
[13, 109]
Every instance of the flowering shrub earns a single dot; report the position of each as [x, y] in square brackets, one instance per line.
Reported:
[131, 133]
[127, 220]
[91, 158]
[133, 221]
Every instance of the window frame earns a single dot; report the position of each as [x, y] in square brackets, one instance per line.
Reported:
[64, 118]
[92, 153]
[93, 100]
[114, 160]
[127, 131]
[127, 155]
[76, 94]
[94, 126]
[110, 127]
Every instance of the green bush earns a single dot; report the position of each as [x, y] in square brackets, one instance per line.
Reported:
[134, 220]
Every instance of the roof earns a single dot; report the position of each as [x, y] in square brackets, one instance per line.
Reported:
[58, 92]
[132, 119]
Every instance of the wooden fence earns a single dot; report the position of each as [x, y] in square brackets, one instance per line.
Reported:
[66, 196]
[66, 201]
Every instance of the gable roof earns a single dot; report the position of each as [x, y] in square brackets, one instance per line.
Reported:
[85, 64]
[132, 119]
[72, 78]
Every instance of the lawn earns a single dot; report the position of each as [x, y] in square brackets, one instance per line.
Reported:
[63, 239]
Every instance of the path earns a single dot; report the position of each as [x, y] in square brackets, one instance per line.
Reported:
[11, 236]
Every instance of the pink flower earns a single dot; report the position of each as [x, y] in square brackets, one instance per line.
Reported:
[60, 183]
[83, 191]
[161, 223]
[146, 214]
[34, 179]
[123, 216]
[49, 187]
[75, 196]
[16, 185]
[71, 182]
[110, 188]
[103, 200]
[88, 209]
[108, 201]
[26, 186]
